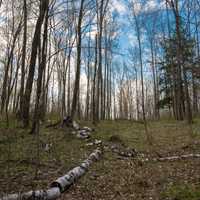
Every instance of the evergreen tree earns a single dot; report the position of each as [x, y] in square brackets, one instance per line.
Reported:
[171, 82]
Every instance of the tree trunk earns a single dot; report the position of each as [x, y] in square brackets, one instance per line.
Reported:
[78, 64]
[23, 60]
[41, 69]
[7, 67]
[94, 85]
[29, 83]
[180, 63]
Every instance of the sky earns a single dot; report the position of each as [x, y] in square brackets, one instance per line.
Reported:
[120, 7]
[127, 37]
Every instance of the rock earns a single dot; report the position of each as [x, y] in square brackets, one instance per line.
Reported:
[83, 134]
[87, 129]
[75, 125]
[96, 142]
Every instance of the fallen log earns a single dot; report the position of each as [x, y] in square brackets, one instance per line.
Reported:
[50, 194]
[172, 158]
[122, 150]
[73, 175]
[60, 185]
[96, 142]
[65, 122]
[82, 133]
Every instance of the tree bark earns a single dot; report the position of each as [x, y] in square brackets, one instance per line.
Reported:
[23, 60]
[41, 69]
[78, 64]
[7, 67]
[34, 51]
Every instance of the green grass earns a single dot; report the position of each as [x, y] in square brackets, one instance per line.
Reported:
[131, 133]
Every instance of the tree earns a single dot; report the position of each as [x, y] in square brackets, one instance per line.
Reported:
[78, 61]
[41, 69]
[169, 84]
[181, 66]
[101, 11]
[23, 58]
[138, 34]
[31, 73]
[5, 94]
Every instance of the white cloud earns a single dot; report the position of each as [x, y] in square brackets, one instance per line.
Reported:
[118, 6]
[152, 5]
[132, 39]
[92, 34]
[149, 6]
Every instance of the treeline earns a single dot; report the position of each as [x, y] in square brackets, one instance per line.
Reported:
[166, 47]
[46, 45]
[64, 57]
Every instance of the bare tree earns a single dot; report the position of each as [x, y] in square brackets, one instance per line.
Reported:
[34, 52]
[23, 58]
[78, 64]
[41, 69]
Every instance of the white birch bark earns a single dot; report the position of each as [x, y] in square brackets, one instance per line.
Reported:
[60, 185]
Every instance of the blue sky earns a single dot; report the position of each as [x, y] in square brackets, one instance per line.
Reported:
[127, 37]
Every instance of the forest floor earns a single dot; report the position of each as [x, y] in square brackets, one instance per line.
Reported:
[114, 176]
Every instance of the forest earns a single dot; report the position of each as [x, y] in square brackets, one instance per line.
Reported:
[100, 99]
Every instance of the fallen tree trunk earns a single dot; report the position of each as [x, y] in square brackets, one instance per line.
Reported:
[82, 133]
[50, 194]
[172, 158]
[60, 185]
[73, 175]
